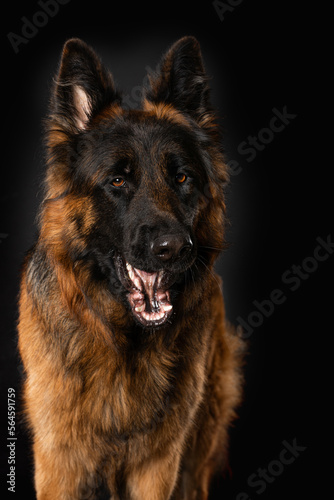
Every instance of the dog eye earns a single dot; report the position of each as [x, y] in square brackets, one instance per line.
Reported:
[180, 178]
[118, 182]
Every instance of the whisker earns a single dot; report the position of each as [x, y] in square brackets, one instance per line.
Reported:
[218, 249]
[192, 276]
[210, 270]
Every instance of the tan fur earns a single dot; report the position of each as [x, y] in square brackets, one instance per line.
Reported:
[141, 413]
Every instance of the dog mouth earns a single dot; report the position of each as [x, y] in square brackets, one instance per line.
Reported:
[148, 293]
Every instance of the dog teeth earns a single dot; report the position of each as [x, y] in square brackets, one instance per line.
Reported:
[157, 314]
[140, 309]
[133, 276]
[160, 302]
[159, 278]
[167, 307]
[153, 316]
[130, 271]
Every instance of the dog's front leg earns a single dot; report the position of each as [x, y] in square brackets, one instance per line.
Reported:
[154, 479]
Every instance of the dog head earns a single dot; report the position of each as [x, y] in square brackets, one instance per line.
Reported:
[140, 190]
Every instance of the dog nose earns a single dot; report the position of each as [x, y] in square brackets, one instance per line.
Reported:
[171, 247]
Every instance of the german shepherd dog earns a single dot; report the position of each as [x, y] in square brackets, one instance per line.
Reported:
[132, 373]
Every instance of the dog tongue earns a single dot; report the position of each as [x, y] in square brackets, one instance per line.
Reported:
[148, 280]
[157, 303]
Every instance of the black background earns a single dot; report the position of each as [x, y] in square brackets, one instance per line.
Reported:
[261, 56]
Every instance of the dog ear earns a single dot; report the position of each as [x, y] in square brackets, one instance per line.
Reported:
[181, 80]
[83, 87]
